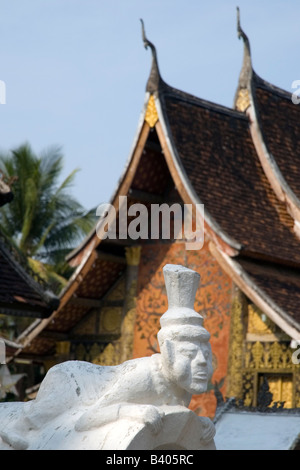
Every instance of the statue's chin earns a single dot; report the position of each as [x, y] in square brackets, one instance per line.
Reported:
[196, 389]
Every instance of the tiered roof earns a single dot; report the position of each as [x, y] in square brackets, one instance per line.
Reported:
[22, 293]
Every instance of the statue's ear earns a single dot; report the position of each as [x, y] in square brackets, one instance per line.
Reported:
[169, 350]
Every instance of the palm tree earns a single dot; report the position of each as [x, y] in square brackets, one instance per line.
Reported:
[43, 221]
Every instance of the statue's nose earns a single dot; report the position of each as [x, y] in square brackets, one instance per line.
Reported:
[201, 359]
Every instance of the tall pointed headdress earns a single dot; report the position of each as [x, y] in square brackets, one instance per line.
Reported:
[181, 321]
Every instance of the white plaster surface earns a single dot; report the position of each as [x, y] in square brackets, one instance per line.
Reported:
[257, 431]
[140, 404]
[181, 429]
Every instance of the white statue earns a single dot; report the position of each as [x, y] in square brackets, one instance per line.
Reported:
[141, 403]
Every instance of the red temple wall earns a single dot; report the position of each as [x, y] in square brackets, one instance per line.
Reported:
[213, 300]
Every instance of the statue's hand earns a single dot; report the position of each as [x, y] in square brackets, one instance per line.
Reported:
[208, 429]
[152, 417]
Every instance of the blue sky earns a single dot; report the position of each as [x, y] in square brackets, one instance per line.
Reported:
[75, 70]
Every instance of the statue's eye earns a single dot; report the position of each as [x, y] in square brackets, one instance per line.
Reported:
[188, 352]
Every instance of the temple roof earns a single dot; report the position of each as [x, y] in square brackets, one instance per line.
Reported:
[215, 148]
[21, 293]
[278, 119]
[196, 151]
[273, 117]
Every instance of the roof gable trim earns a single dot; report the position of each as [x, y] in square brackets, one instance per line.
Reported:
[254, 293]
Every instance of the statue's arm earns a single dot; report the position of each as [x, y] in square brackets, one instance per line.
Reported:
[98, 416]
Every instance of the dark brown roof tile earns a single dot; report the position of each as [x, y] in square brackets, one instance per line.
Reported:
[216, 150]
[279, 118]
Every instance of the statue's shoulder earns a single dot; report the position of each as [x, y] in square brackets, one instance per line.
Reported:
[74, 365]
[78, 372]
[141, 365]
[95, 378]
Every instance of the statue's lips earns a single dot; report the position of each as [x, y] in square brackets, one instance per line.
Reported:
[201, 377]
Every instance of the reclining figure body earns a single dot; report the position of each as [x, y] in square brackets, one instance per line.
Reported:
[136, 389]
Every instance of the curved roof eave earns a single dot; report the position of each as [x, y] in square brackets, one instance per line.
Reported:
[247, 80]
[268, 162]
[254, 293]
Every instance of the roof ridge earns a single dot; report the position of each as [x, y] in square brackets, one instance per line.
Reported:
[262, 83]
[202, 102]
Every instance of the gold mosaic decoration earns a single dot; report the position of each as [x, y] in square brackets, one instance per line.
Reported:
[133, 255]
[248, 389]
[270, 356]
[151, 116]
[62, 347]
[109, 357]
[235, 369]
[243, 100]
[297, 390]
[257, 324]
[282, 390]
[250, 361]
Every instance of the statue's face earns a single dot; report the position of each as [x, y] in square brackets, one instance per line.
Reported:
[191, 365]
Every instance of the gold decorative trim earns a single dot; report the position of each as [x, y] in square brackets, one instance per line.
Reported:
[269, 356]
[109, 357]
[235, 369]
[250, 361]
[151, 116]
[62, 348]
[281, 388]
[133, 255]
[243, 100]
[258, 323]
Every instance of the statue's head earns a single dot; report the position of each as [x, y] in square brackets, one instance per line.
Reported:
[184, 342]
